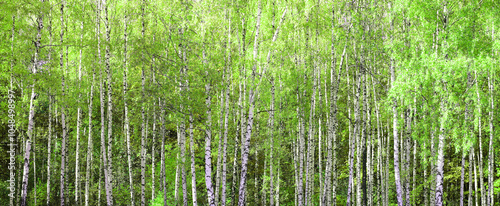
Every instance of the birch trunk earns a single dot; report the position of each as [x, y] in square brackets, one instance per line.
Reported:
[433, 167]
[251, 99]
[271, 126]
[471, 151]
[480, 156]
[31, 125]
[358, 132]
[380, 145]
[49, 142]
[163, 178]
[310, 143]
[125, 105]
[208, 142]
[193, 169]
[49, 149]
[491, 156]
[462, 179]
[219, 150]
[475, 181]
[89, 142]
[369, 164]
[79, 122]
[351, 140]
[440, 157]
[110, 104]
[63, 118]
[224, 152]
[395, 135]
[143, 133]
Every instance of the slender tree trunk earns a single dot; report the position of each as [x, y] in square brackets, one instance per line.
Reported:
[395, 135]
[310, 143]
[433, 167]
[475, 181]
[480, 156]
[219, 150]
[380, 145]
[226, 122]
[407, 155]
[79, 122]
[426, 179]
[110, 103]
[31, 125]
[143, 133]
[163, 177]
[351, 141]
[462, 179]
[271, 126]
[471, 151]
[153, 143]
[440, 158]
[256, 183]
[49, 142]
[295, 160]
[125, 105]
[208, 145]
[193, 171]
[89, 143]
[362, 156]
[182, 143]
[49, 150]
[251, 99]
[63, 118]
[357, 137]
[491, 156]
[369, 162]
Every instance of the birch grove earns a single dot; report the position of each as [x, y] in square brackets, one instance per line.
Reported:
[205, 102]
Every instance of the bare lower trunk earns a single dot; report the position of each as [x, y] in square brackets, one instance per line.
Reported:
[63, 118]
[396, 144]
[480, 156]
[31, 125]
[251, 99]
[143, 133]
[440, 158]
[89, 143]
[79, 122]
[125, 105]
[208, 147]
[163, 178]
[491, 156]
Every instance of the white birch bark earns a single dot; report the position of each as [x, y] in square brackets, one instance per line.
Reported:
[63, 118]
[125, 105]
[251, 99]
[143, 133]
[89, 142]
[79, 121]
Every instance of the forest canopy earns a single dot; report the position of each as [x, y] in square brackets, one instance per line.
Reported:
[227, 102]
